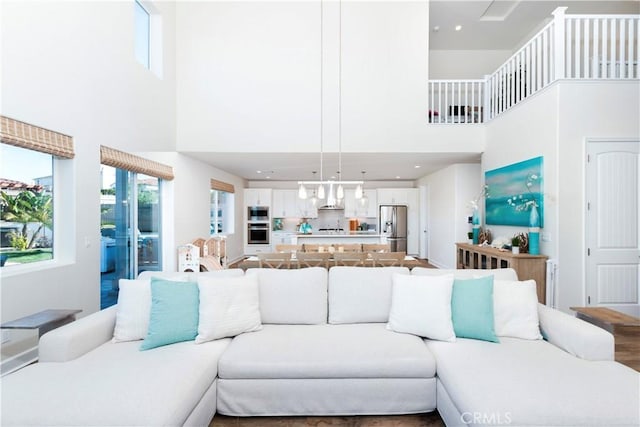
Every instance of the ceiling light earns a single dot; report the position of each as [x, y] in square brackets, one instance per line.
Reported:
[258, 171]
[302, 191]
[458, 27]
[398, 177]
[417, 166]
[436, 28]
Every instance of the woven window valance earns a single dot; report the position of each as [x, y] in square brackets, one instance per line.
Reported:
[222, 186]
[24, 135]
[122, 160]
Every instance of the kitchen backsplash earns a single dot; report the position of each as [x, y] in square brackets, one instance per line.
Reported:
[326, 219]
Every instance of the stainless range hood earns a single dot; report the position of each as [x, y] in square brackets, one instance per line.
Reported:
[331, 208]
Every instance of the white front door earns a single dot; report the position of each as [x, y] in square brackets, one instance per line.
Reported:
[612, 224]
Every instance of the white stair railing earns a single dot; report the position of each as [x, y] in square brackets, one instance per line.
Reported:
[456, 101]
[569, 47]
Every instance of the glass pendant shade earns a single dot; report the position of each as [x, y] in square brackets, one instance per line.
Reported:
[314, 200]
[364, 201]
[340, 192]
[321, 191]
[359, 192]
[302, 192]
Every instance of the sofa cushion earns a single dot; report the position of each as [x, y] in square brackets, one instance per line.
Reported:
[292, 296]
[498, 274]
[422, 306]
[516, 309]
[472, 308]
[174, 313]
[326, 351]
[536, 383]
[113, 385]
[228, 307]
[361, 295]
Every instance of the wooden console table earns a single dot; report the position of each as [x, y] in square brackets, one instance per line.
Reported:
[625, 330]
[43, 321]
[527, 266]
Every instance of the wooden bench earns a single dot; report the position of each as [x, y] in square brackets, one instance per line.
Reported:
[625, 330]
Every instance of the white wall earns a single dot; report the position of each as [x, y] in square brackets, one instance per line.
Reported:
[555, 123]
[465, 64]
[191, 204]
[450, 191]
[588, 110]
[70, 67]
[248, 78]
[529, 130]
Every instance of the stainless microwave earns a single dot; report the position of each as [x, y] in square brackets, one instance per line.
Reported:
[258, 213]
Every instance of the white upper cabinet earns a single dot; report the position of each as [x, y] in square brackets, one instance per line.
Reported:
[354, 208]
[257, 197]
[304, 207]
[284, 204]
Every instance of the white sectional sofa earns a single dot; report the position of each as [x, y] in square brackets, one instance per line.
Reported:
[324, 349]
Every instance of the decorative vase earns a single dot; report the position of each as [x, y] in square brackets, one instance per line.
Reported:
[475, 220]
[515, 250]
[534, 231]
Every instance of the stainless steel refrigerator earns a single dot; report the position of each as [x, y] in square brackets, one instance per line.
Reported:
[393, 225]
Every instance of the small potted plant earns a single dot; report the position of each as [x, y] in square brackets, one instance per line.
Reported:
[515, 244]
[470, 236]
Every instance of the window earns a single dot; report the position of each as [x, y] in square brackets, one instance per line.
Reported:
[142, 29]
[26, 206]
[222, 207]
[221, 212]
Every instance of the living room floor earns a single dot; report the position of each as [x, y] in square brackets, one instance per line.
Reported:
[432, 419]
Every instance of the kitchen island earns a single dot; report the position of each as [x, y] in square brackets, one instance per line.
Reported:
[337, 238]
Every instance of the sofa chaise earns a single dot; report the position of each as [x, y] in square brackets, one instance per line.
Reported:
[324, 348]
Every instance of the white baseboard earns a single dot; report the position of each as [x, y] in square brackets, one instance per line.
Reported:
[18, 361]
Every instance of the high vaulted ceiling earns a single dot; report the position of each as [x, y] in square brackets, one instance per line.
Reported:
[503, 24]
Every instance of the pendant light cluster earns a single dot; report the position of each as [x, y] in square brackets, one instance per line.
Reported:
[333, 197]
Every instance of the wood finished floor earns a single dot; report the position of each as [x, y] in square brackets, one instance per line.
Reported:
[431, 419]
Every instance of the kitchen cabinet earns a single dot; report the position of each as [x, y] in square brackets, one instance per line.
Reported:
[411, 198]
[257, 197]
[353, 207]
[305, 208]
[285, 204]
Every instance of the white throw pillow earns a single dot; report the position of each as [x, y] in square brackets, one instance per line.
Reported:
[515, 309]
[133, 310]
[421, 305]
[228, 307]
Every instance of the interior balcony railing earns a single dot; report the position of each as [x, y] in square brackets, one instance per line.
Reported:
[598, 47]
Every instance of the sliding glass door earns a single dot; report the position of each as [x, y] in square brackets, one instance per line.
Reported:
[129, 227]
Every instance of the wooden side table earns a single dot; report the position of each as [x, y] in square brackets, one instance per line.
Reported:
[625, 330]
[43, 321]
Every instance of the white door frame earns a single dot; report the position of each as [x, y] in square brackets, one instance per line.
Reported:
[589, 292]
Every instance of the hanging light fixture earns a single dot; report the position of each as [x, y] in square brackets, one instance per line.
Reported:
[332, 197]
[314, 198]
[363, 200]
[302, 191]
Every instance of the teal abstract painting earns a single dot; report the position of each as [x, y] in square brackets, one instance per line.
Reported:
[512, 192]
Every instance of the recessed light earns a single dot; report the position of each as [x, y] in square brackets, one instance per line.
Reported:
[398, 177]
[417, 166]
[268, 177]
[436, 28]
[458, 27]
[258, 171]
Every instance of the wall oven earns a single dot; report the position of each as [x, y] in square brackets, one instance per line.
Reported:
[258, 213]
[258, 233]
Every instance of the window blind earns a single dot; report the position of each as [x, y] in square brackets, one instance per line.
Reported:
[122, 160]
[222, 186]
[25, 135]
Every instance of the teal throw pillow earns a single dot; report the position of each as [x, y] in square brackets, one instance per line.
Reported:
[174, 313]
[472, 309]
